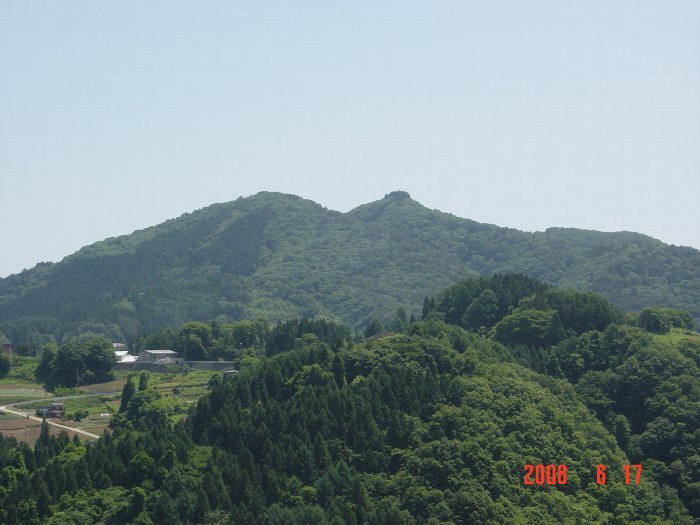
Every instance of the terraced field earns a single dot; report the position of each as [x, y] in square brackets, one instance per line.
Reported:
[90, 407]
[19, 392]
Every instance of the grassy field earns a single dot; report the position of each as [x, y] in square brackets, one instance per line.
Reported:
[18, 392]
[20, 384]
[110, 386]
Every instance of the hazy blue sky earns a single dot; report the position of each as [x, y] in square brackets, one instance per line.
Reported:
[115, 116]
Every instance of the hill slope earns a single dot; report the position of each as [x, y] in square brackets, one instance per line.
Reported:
[280, 256]
[407, 429]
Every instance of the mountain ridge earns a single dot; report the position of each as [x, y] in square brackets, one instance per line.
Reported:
[279, 255]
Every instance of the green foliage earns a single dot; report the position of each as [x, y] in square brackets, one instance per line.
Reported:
[23, 369]
[143, 380]
[432, 424]
[5, 365]
[647, 389]
[661, 320]
[407, 428]
[373, 328]
[529, 327]
[141, 467]
[48, 356]
[141, 400]
[73, 364]
[193, 341]
[280, 257]
[480, 303]
[160, 340]
[581, 311]
[127, 393]
[285, 335]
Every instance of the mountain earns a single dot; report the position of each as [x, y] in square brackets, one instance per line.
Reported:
[281, 256]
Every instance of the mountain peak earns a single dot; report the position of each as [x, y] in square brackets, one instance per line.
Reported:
[397, 195]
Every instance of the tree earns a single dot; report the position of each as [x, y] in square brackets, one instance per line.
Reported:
[76, 363]
[481, 312]
[69, 366]
[127, 393]
[536, 328]
[5, 365]
[428, 306]
[373, 328]
[661, 320]
[45, 368]
[99, 359]
[159, 340]
[622, 432]
[141, 467]
[194, 341]
[400, 320]
[143, 381]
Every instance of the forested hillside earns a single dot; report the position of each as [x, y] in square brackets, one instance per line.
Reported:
[279, 256]
[639, 373]
[434, 424]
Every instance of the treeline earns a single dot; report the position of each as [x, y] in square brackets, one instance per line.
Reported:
[80, 363]
[198, 341]
[505, 304]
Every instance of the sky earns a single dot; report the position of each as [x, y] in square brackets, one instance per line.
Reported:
[115, 116]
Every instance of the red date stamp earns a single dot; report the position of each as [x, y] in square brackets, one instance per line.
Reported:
[558, 474]
[545, 474]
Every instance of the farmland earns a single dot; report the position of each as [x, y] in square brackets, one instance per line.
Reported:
[90, 407]
[24, 429]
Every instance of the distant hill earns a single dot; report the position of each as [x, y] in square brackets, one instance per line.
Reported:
[280, 256]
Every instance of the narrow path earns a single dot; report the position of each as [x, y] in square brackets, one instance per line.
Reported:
[40, 420]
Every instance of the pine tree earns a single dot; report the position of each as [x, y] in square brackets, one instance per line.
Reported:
[127, 393]
[143, 381]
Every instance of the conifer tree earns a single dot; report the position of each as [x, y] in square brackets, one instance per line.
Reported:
[127, 393]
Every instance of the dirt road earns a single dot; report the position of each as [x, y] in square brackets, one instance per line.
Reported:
[53, 423]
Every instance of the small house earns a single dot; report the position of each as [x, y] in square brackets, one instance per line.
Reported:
[56, 410]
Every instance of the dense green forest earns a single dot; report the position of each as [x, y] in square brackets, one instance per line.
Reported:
[279, 256]
[434, 423]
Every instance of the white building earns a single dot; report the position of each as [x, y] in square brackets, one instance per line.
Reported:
[123, 356]
[158, 356]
